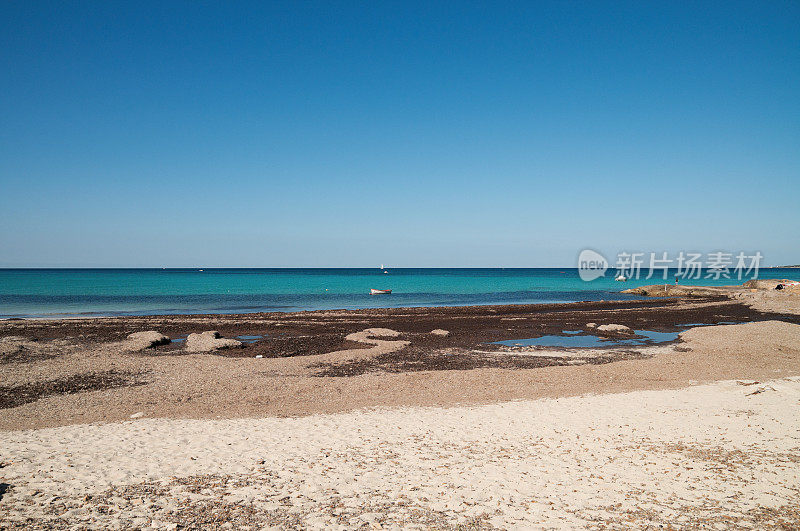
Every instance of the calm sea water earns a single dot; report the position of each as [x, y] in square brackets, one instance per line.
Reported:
[74, 292]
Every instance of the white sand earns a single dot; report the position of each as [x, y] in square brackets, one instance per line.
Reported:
[721, 454]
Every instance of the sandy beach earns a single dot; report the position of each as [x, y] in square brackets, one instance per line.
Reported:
[399, 265]
[720, 455]
[368, 419]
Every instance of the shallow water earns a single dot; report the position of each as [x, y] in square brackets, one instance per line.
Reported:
[249, 339]
[89, 292]
[585, 340]
[691, 325]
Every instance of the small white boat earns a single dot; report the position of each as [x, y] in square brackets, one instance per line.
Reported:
[621, 278]
[380, 291]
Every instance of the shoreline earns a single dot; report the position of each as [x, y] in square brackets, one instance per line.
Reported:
[132, 292]
[260, 313]
[60, 372]
[614, 296]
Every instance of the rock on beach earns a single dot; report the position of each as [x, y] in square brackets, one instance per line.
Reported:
[615, 329]
[208, 341]
[143, 340]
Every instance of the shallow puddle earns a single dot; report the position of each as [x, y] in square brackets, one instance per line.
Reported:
[644, 337]
[691, 325]
[249, 339]
[243, 339]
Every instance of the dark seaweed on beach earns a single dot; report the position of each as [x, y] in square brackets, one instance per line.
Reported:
[420, 360]
[290, 346]
[17, 395]
[23, 354]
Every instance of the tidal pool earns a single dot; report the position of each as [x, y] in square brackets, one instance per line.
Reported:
[580, 339]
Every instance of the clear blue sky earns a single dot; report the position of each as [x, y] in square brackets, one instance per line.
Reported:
[413, 134]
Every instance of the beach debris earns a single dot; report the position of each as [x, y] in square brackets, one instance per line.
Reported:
[208, 341]
[13, 346]
[259, 356]
[754, 382]
[17, 395]
[788, 285]
[769, 283]
[761, 390]
[14, 343]
[615, 329]
[12, 339]
[143, 340]
[591, 325]
[440, 332]
[137, 415]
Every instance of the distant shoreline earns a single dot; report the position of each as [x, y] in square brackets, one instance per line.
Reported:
[61, 293]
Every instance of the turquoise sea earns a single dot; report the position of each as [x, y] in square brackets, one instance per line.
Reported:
[86, 292]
